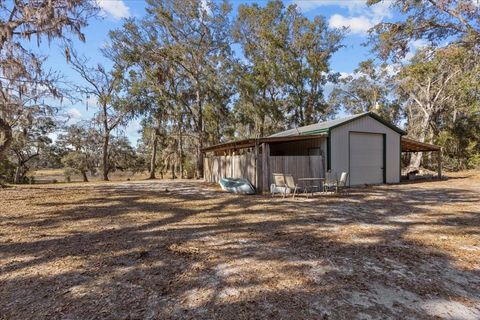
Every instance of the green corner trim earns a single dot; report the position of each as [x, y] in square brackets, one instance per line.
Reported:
[329, 153]
[384, 158]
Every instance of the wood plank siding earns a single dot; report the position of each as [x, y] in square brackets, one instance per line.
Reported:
[302, 159]
[238, 166]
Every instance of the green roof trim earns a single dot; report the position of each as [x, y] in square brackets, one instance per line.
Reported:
[316, 131]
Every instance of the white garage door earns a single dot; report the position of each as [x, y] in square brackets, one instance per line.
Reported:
[366, 158]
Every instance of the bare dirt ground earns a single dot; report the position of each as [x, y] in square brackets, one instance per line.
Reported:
[131, 250]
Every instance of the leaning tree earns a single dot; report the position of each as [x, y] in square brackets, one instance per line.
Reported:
[22, 73]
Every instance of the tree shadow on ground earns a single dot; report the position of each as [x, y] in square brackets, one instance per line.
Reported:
[136, 251]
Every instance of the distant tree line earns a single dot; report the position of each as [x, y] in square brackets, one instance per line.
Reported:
[195, 74]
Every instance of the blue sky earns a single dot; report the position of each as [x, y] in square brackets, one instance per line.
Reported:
[350, 13]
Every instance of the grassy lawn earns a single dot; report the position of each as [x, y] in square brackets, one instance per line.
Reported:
[49, 175]
[183, 249]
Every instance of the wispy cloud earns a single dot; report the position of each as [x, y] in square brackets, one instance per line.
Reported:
[365, 18]
[74, 113]
[358, 25]
[414, 46]
[419, 44]
[116, 9]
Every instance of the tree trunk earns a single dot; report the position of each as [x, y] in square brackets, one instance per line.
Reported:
[416, 158]
[153, 159]
[19, 173]
[199, 164]
[84, 176]
[106, 141]
[180, 152]
[5, 136]
[173, 171]
[199, 173]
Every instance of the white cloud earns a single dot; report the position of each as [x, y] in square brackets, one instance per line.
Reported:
[344, 75]
[360, 18]
[115, 8]
[381, 10]
[73, 113]
[419, 44]
[358, 25]
[365, 19]
[414, 46]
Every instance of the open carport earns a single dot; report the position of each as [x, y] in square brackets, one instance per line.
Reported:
[409, 145]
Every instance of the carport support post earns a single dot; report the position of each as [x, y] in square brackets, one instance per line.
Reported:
[265, 168]
[257, 169]
[439, 159]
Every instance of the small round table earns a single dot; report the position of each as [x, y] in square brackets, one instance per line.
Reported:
[310, 187]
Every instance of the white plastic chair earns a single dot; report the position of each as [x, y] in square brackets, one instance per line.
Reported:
[291, 185]
[335, 185]
[278, 185]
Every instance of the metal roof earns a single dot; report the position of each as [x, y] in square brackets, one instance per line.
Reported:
[248, 143]
[301, 133]
[328, 125]
[321, 126]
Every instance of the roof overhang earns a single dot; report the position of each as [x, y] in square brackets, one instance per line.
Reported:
[409, 145]
[249, 143]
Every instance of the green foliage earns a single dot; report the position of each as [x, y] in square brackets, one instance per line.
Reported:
[68, 173]
[122, 156]
[461, 143]
[474, 162]
[7, 170]
[76, 161]
[440, 89]
[287, 65]
[24, 79]
[81, 145]
[433, 21]
[369, 89]
[179, 61]
[31, 138]
[175, 70]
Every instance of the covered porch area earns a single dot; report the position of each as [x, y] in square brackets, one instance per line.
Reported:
[409, 146]
[256, 159]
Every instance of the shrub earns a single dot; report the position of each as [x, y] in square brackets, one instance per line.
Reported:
[474, 161]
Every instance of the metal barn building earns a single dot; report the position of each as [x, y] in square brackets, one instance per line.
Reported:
[364, 145]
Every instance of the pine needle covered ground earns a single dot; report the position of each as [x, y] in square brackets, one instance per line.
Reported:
[123, 250]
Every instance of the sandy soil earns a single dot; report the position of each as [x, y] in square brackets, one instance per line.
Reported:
[133, 250]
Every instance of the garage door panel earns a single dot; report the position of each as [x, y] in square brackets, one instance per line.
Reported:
[366, 158]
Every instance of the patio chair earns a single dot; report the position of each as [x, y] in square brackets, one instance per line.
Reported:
[330, 181]
[278, 185]
[336, 185]
[342, 183]
[291, 185]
